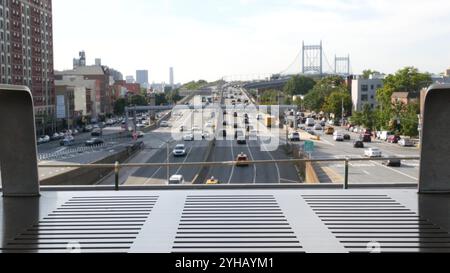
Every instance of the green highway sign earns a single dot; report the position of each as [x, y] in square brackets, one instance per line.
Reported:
[309, 146]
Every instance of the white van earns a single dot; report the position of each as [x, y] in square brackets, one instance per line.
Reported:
[384, 135]
[310, 122]
[176, 180]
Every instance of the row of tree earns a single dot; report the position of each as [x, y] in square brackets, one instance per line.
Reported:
[170, 97]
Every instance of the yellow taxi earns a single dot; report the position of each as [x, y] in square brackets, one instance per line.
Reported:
[212, 181]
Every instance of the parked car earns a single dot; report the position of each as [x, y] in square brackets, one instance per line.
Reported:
[358, 144]
[394, 139]
[94, 141]
[68, 141]
[373, 152]
[176, 179]
[224, 133]
[96, 132]
[405, 142]
[180, 150]
[347, 137]
[164, 124]
[366, 137]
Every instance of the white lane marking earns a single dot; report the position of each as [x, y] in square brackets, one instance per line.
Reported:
[185, 160]
[366, 172]
[276, 165]
[232, 170]
[327, 142]
[254, 166]
[399, 172]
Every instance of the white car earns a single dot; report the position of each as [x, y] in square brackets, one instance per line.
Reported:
[405, 142]
[338, 136]
[188, 137]
[180, 150]
[318, 127]
[195, 128]
[176, 179]
[164, 124]
[253, 135]
[373, 152]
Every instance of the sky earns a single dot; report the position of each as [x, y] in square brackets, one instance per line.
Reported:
[212, 39]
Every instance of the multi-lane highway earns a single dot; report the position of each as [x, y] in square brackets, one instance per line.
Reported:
[160, 143]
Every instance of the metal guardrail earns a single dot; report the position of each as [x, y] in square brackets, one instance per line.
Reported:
[117, 166]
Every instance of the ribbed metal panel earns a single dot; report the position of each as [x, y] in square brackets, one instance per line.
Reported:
[377, 223]
[106, 224]
[234, 223]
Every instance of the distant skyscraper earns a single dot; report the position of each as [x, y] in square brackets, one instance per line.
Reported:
[172, 82]
[142, 77]
[130, 79]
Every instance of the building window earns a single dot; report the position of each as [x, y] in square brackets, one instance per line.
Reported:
[364, 87]
[364, 97]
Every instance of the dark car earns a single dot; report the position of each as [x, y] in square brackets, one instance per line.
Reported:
[366, 138]
[393, 162]
[235, 114]
[225, 113]
[224, 123]
[94, 142]
[358, 145]
[347, 137]
[235, 126]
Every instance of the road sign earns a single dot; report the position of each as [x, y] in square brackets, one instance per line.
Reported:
[309, 147]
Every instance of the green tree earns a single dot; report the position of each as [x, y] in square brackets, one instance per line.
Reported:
[160, 99]
[367, 73]
[173, 96]
[119, 106]
[299, 85]
[315, 99]
[333, 103]
[365, 118]
[269, 97]
[409, 121]
[138, 100]
[408, 79]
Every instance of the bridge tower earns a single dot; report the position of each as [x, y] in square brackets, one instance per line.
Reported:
[312, 61]
[342, 65]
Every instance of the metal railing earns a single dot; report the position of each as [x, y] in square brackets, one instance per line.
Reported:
[116, 167]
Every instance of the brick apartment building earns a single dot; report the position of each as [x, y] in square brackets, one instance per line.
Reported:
[26, 53]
